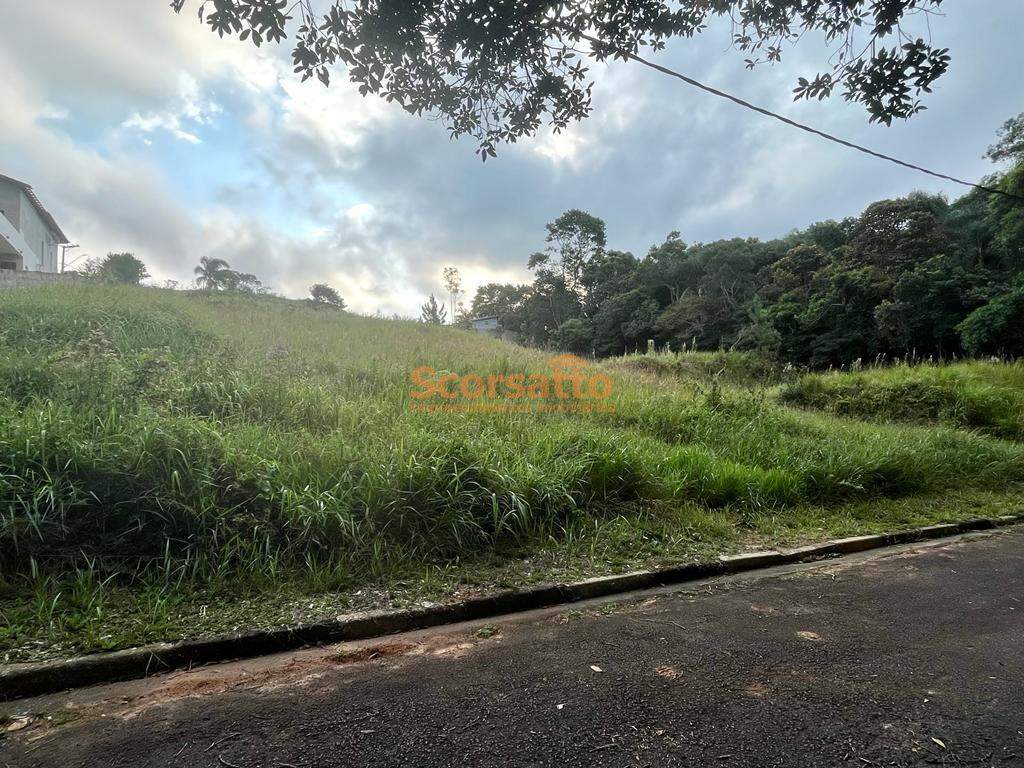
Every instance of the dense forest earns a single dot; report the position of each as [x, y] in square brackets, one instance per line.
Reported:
[916, 276]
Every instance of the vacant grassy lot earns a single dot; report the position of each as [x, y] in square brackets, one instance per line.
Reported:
[175, 463]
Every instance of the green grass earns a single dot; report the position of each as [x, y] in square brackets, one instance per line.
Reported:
[741, 368]
[973, 395]
[160, 449]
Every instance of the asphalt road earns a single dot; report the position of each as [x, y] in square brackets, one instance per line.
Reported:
[908, 658]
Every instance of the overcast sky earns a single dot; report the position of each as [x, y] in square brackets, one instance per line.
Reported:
[142, 131]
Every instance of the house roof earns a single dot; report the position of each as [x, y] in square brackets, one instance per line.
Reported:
[40, 208]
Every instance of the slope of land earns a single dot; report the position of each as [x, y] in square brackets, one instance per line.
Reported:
[175, 463]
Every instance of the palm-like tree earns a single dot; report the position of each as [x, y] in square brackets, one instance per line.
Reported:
[211, 272]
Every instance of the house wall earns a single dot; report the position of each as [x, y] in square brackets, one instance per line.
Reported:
[44, 250]
[39, 238]
[10, 280]
[487, 325]
[12, 245]
[10, 202]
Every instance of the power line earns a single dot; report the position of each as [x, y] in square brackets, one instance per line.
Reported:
[801, 126]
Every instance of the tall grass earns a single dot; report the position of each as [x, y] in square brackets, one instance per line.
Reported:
[739, 368]
[987, 396]
[166, 436]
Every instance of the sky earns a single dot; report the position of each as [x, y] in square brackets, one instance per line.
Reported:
[142, 131]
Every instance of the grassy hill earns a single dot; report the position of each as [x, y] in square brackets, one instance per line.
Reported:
[160, 449]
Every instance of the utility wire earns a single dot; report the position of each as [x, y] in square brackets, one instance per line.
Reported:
[801, 126]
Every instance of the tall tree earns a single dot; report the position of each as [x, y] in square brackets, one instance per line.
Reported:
[668, 270]
[497, 71]
[211, 273]
[894, 235]
[573, 239]
[1007, 216]
[607, 274]
[453, 284]
[1010, 141]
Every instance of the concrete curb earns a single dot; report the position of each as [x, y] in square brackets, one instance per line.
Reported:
[23, 680]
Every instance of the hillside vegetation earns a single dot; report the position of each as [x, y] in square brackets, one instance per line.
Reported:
[984, 396]
[912, 277]
[155, 441]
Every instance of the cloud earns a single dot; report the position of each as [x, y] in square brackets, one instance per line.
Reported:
[98, 199]
[301, 184]
[190, 113]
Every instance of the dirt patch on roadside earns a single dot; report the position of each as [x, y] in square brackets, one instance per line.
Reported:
[262, 674]
[372, 653]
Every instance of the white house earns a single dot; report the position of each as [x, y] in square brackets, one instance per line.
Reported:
[29, 237]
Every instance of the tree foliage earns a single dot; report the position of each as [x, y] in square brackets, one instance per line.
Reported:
[1010, 141]
[573, 239]
[498, 70]
[997, 327]
[118, 268]
[453, 284]
[433, 313]
[214, 274]
[211, 273]
[324, 295]
[241, 282]
[912, 276]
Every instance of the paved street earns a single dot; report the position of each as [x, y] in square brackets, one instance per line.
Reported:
[908, 658]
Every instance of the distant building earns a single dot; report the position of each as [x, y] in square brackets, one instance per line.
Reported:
[29, 236]
[488, 325]
[492, 326]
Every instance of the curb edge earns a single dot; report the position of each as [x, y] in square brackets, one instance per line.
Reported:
[36, 679]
